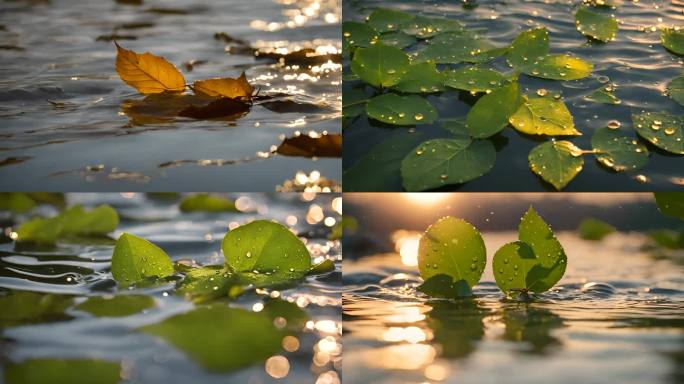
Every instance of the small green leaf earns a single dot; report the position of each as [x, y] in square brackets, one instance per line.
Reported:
[662, 130]
[473, 79]
[605, 95]
[557, 162]
[443, 286]
[596, 25]
[670, 203]
[136, 259]
[559, 67]
[266, 249]
[594, 229]
[511, 265]
[491, 112]
[534, 231]
[353, 102]
[454, 248]
[397, 39]
[439, 162]
[22, 307]
[97, 222]
[620, 153]
[426, 27]
[203, 202]
[528, 47]
[386, 20]
[675, 89]
[454, 48]
[16, 202]
[40, 231]
[673, 40]
[357, 35]
[324, 266]
[668, 238]
[421, 78]
[208, 283]
[212, 336]
[380, 65]
[117, 306]
[544, 116]
[401, 110]
[49, 371]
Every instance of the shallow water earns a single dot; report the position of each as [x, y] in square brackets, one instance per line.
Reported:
[70, 123]
[635, 61]
[83, 270]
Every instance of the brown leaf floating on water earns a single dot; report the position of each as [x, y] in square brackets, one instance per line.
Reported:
[223, 108]
[305, 56]
[307, 146]
[225, 87]
[148, 73]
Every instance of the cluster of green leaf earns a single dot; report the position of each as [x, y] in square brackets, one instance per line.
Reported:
[452, 258]
[21, 202]
[397, 54]
[73, 222]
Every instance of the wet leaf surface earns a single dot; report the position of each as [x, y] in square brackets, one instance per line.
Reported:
[662, 130]
[556, 162]
[599, 26]
[401, 110]
[491, 112]
[543, 116]
[618, 152]
[135, 259]
[380, 65]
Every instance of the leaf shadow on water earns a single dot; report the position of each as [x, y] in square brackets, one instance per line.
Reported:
[531, 326]
[457, 326]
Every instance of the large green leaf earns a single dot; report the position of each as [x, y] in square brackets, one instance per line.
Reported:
[557, 162]
[511, 265]
[204, 202]
[421, 78]
[452, 247]
[473, 79]
[620, 153]
[528, 47]
[426, 27]
[673, 40]
[99, 221]
[559, 67]
[51, 371]
[357, 35]
[550, 254]
[401, 110]
[397, 39]
[215, 336]
[454, 48]
[544, 116]
[491, 112]
[136, 259]
[22, 307]
[596, 25]
[267, 249]
[662, 130]
[439, 162]
[675, 89]
[16, 202]
[117, 306]
[385, 20]
[380, 65]
[671, 203]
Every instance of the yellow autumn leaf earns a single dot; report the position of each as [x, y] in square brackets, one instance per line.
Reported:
[225, 87]
[148, 73]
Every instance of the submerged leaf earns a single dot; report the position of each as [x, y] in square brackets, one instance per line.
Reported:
[443, 286]
[528, 47]
[491, 112]
[596, 25]
[380, 65]
[23, 307]
[662, 130]
[329, 145]
[135, 259]
[557, 162]
[401, 110]
[47, 371]
[353, 102]
[620, 153]
[117, 306]
[673, 40]
[225, 87]
[204, 202]
[559, 67]
[594, 229]
[544, 116]
[148, 73]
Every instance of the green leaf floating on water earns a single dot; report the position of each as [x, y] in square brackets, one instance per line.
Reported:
[421, 78]
[596, 25]
[23, 307]
[544, 116]
[380, 65]
[670, 203]
[397, 39]
[99, 221]
[605, 95]
[444, 286]
[594, 229]
[452, 247]
[203, 202]
[358, 35]
[528, 46]
[386, 20]
[353, 102]
[620, 153]
[401, 110]
[40, 231]
[534, 263]
[473, 79]
[426, 27]
[266, 253]
[116, 306]
[662, 130]
[439, 162]
[675, 89]
[16, 202]
[137, 259]
[491, 112]
[556, 162]
[454, 48]
[49, 371]
[673, 39]
[213, 336]
[559, 67]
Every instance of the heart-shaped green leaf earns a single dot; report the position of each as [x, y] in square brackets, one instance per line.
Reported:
[474, 79]
[44, 371]
[528, 47]
[266, 249]
[559, 67]
[675, 89]
[536, 233]
[556, 162]
[421, 78]
[380, 65]
[358, 35]
[620, 153]
[454, 248]
[596, 25]
[673, 40]
[397, 39]
[426, 27]
[401, 110]
[117, 306]
[491, 112]
[544, 116]
[203, 202]
[136, 259]
[386, 20]
[443, 286]
[439, 162]
[662, 130]
[511, 265]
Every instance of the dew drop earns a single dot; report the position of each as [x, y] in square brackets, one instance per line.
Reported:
[542, 92]
[418, 116]
[613, 124]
